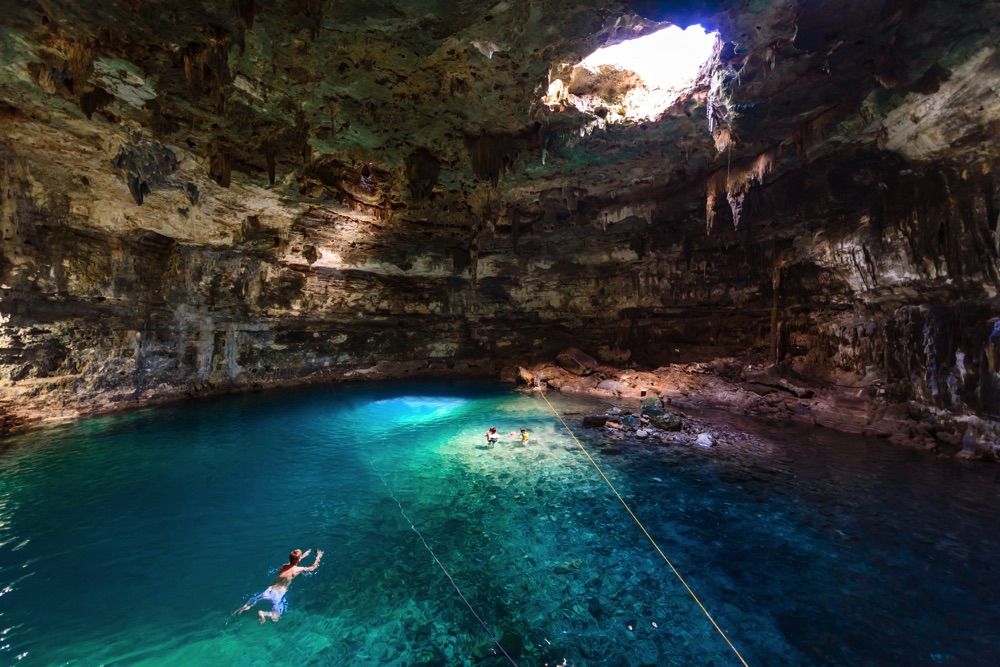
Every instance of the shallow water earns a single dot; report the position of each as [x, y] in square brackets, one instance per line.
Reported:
[129, 539]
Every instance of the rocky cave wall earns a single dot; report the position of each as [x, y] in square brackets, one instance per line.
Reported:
[199, 199]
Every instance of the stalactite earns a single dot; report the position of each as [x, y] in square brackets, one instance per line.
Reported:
[492, 155]
[888, 67]
[94, 100]
[996, 233]
[206, 69]
[474, 257]
[191, 192]
[611, 216]
[366, 178]
[269, 156]
[735, 182]
[79, 61]
[220, 166]
[723, 139]
[515, 225]
[710, 206]
[422, 171]
[775, 324]
[246, 10]
[158, 120]
[300, 137]
[145, 165]
[736, 206]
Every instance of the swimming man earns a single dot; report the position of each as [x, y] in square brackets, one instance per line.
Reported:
[275, 593]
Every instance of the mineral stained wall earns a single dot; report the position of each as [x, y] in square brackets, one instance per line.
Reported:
[199, 197]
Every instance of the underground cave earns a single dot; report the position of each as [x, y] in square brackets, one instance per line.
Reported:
[318, 248]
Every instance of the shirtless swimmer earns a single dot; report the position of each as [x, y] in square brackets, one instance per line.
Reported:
[275, 593]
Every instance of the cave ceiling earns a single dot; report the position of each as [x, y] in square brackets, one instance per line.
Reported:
[429, 114]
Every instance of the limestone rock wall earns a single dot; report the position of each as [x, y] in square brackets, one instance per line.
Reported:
[206, 196]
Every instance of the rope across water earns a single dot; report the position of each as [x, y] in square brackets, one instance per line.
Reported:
[443, 568]
[643, 528]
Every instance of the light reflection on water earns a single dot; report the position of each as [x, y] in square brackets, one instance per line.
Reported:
[127, 540]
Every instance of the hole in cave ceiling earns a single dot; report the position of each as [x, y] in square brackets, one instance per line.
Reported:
[634, 80]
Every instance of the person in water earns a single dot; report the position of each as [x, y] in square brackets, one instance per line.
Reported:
[492, 437]
[275, 593]
[524, 436]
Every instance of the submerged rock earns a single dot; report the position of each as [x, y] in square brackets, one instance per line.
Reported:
[482, 651]
[567, 566]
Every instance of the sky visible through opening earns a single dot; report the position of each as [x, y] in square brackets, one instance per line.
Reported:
[666, 59]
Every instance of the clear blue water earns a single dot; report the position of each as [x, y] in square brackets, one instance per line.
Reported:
[128, 540]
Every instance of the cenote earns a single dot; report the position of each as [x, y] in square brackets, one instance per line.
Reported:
[130, 539]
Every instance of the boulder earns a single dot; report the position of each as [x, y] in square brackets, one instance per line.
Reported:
[666, 421]
[611, 386]
[481, 651]
[596, 421]
[576, 361]
[652, 408]
[759, 380]
[651, 404]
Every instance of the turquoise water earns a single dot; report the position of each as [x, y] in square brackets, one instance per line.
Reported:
[128, 540]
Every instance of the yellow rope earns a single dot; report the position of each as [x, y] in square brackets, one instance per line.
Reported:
[645, 532]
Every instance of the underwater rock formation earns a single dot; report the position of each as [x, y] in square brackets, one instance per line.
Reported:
[204, 197]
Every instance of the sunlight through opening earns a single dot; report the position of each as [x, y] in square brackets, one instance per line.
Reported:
[666, 59]
[637, 79]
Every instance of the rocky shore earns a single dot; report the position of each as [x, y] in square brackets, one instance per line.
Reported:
[659, 397]
[780, 393]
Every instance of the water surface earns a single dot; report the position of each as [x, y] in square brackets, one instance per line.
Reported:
[127, 540]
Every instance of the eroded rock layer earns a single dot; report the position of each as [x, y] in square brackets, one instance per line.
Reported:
[205, 196]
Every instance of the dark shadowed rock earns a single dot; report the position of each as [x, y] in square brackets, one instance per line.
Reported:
[596, 421]
[576, 361]
[145, 165]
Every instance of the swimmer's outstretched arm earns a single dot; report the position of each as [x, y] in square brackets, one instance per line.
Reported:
[319, 554]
